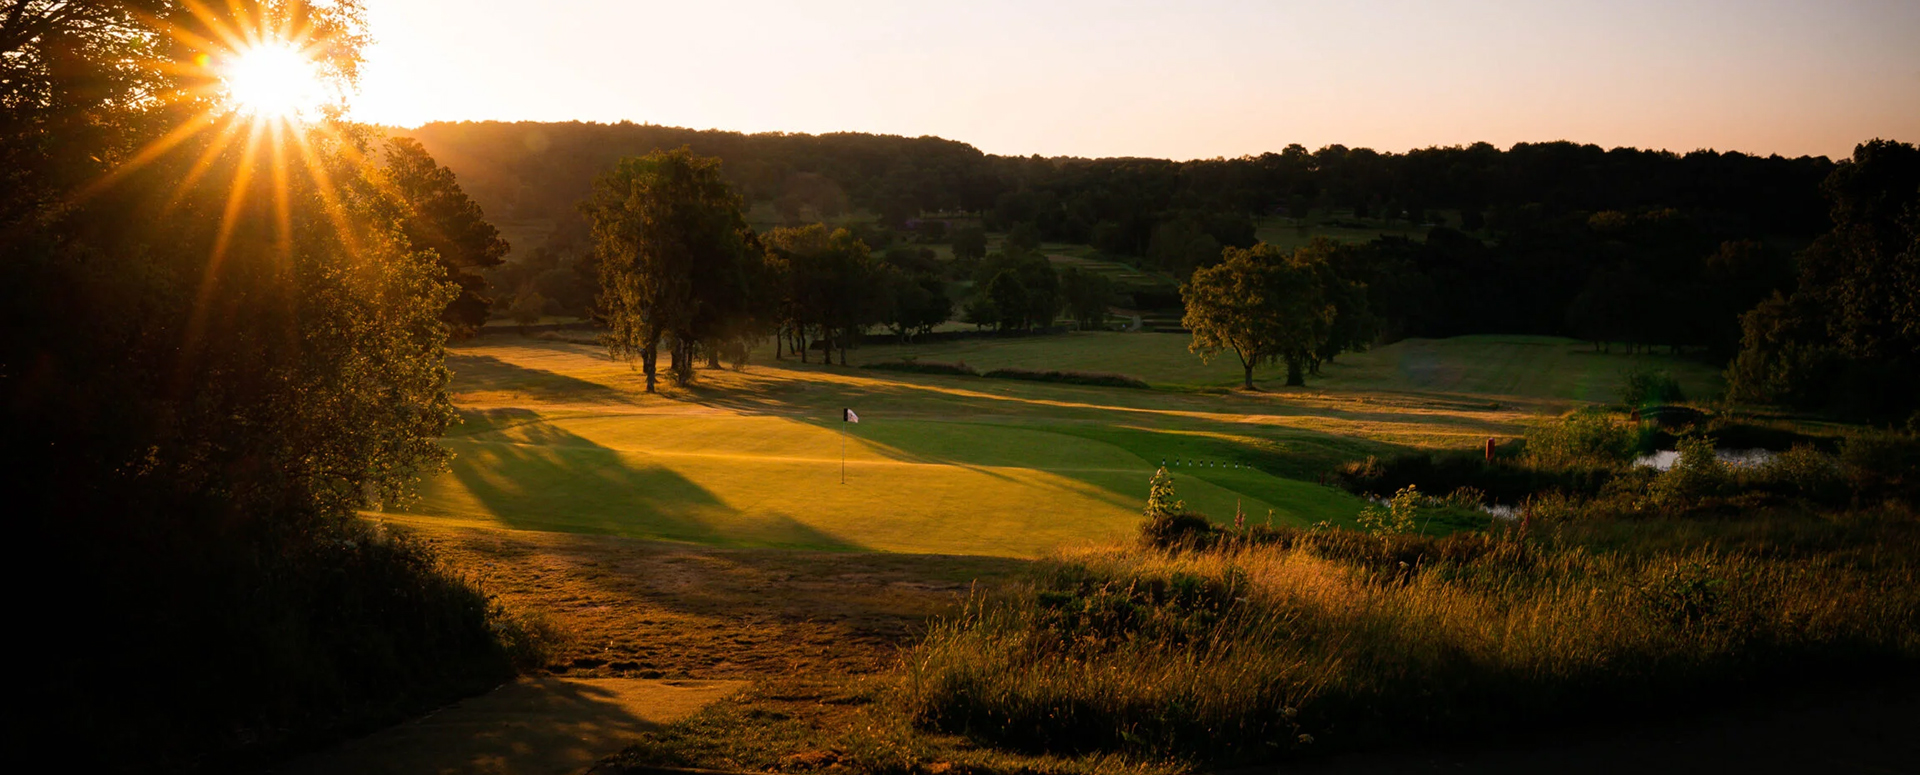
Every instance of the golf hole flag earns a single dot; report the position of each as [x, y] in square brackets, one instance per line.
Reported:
[850, 417]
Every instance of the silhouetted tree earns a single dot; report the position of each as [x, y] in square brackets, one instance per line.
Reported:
[436, 215]
[673, 254]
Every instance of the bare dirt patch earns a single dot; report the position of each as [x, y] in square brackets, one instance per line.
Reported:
[648, 609]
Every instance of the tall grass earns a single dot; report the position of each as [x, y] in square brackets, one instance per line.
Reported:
[1251, 651]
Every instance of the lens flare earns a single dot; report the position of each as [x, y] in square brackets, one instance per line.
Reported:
[274, 80]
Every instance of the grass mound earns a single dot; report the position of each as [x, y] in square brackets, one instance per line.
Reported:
[1100, 379]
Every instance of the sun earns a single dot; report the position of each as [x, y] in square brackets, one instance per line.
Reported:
[274, 80]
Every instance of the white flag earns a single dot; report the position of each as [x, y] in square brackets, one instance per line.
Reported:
[851, 417]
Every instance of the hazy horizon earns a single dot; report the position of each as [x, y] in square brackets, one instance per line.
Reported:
[1179, 81]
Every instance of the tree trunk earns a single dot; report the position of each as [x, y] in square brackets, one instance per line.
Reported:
[844, 336]
[800, 334]
[648, 358]
[1294, 377]
[1248, 382]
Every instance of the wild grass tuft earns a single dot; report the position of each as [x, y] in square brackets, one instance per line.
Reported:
[1251, 651]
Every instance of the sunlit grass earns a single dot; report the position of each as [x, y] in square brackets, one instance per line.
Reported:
[558, 437]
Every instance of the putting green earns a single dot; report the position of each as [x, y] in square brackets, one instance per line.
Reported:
[911, 485]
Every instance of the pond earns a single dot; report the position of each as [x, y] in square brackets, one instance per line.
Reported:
[1734, 458]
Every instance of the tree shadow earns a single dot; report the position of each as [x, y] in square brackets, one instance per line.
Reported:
[529, 725]
[484, 373]
[526, 473]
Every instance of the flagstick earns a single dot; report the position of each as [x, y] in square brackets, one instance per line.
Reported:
[843, 450]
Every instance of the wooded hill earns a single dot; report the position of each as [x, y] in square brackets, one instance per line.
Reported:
[532, 170]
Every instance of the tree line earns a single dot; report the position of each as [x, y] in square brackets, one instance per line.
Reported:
[1549, 238]
[680, 271]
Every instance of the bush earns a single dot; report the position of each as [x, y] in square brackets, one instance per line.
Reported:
[923, 367]
[1097, 379]
[1802, 472]
[1883, 464]
[1647, 387]
[1400, 515]
[1168, 523]
[1696, 475]
[1501, 481]
[1586, 437]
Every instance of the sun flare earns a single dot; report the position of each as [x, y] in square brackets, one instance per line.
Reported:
[274, 80]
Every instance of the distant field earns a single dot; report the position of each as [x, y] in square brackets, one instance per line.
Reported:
[560, 438]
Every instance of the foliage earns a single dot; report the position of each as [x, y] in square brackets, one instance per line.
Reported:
[1648, 387]
[1584, 437]
[528, 307]
[830, 285]
[969, 242]
[674, 259]
[1697, 474]
[1264, 304]
[1099, 379]
[1401, 514]
[917, 366]
[215, 354]
[1087, 296]
[1168, 523]
[1846, 338]
[1337, 640]
[437, 216]
[1022, 288]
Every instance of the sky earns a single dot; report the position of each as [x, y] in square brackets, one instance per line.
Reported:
[1177, 80]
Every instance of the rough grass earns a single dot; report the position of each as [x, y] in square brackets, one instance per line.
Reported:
[1340, 640]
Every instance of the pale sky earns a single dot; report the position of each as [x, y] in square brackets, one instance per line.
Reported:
[1177, 80]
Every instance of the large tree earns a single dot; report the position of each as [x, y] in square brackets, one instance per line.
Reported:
[833, 286]
[438, 216]
[215, 352]
[1264, 304]
[1848, 337]
[674, 257]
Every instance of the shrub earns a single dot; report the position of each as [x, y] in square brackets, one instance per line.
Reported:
[1168, 523]
[924, 367]
[1802, 472]
[1882, 464]
[1697, 474]
[1400, 515]
[1585, 437]
[1501, 481]
[1646, 387]
[1097, 379]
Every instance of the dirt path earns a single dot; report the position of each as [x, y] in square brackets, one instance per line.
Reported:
[649, 633]
[533, 726]
[648, 609]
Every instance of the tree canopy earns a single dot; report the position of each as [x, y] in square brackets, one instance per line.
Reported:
[1264, 304]
[673, 256]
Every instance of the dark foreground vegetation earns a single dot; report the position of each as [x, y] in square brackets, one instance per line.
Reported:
[1649, 594]
[222, 338]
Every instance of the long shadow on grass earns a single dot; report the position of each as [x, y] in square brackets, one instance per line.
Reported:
[487, 373]
[548, 478]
